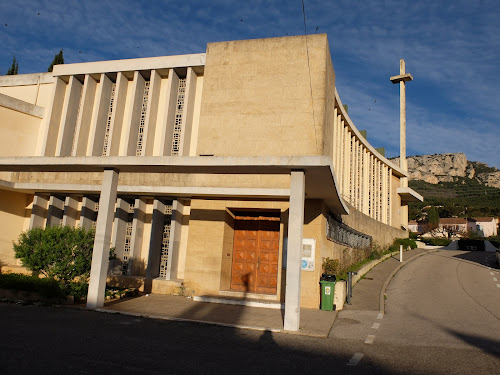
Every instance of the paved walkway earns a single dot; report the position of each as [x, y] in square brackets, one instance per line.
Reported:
[312, 322]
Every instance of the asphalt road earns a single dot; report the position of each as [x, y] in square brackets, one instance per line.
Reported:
[442, 317]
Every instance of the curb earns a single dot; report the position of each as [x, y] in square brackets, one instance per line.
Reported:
[389, 278]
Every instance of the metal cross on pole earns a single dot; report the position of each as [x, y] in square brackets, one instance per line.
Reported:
[402, 78]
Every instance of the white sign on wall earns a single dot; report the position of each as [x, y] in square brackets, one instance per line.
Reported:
[308, 254]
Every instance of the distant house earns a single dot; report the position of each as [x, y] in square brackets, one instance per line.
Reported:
[486, 226]
[458, 227]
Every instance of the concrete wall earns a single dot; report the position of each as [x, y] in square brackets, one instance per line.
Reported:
[257, 97]
[14, 213]
[19, 133]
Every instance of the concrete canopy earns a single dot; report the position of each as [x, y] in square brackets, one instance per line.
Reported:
[321, 182]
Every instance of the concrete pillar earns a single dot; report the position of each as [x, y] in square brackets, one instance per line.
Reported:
[99, 117]
[385, 194]
[70, 211]
[165, 124]
[69, 117]
[334, 142]
[120, 226]
[100, 255]
[85, 118]
[47, 143]
[117, 116]
[366, 181]
[341, 155]
[39, 211]
[136, 268]
[132, 117]
[347, 164]
[355, 179]
[389, 218]
[55, 211]
[150, 126]
[88, 216]
[187, 116]
[377, 189]
[175, 239]
[157, 222]
[294, 251]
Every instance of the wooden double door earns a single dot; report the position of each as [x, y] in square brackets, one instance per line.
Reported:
[255, 254]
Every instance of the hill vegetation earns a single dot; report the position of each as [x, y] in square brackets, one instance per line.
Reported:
[463, 197]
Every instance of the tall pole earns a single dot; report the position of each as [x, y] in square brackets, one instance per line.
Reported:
[402, 78]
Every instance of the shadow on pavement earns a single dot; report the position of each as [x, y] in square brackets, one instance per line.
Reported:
[79, 341]
[485, 344]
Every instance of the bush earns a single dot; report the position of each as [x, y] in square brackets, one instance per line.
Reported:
[436, 241]
[48, 288]
[407, 243]
[60, 253]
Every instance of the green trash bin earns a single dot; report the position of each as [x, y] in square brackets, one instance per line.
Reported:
[327, 292]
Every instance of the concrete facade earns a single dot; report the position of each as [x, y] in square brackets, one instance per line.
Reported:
[180, 154]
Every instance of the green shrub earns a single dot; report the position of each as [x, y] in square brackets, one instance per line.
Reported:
[436, 241]
[60, 253]
[407, 243]
[331, 266]
[48, 288]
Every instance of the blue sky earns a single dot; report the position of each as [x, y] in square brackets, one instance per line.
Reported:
[451, 47]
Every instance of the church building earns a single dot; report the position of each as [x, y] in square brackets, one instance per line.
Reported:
[228, 173]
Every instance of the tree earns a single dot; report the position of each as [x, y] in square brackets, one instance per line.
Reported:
[61, 253]
[58, 59]
[433, 218]
[14, 67]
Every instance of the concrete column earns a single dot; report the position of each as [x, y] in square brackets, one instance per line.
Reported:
[132, 118]
[341, 155]
[187, 116]
[47, 143]
[175, 239]
[335, 142]
[85, 118]
[69, 117]
[70, 211]
[120, 226]
[385, 193]
[119, 100]
[39, 211]
[163, 144]
[366, 182]
[88, 216]
[100, 255]
[355, 179]
[55, 211]
[99, 117]
[294, 251]
[136, 268]
[347, 164]
[389, 218]
[150, 128]
[377, 190]
[157, 220]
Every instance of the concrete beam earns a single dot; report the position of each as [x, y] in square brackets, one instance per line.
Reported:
[294, 251]
[87, 214]
[100, 255]
[18, 105]
[85, 119]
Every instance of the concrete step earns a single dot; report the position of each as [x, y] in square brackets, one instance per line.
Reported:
[251, 302]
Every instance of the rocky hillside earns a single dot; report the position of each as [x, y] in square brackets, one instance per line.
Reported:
[449, 168]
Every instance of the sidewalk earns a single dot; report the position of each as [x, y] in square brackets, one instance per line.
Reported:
[313, 322]
[366, 293]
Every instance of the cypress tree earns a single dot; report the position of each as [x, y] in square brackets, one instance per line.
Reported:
[14, 67]
[58, 59]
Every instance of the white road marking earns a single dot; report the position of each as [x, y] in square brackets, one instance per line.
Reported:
[355, 359]
[492, 273]
[495, 279]
[498, 285]
[376, 325]
[380, 315]
[370, 339]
